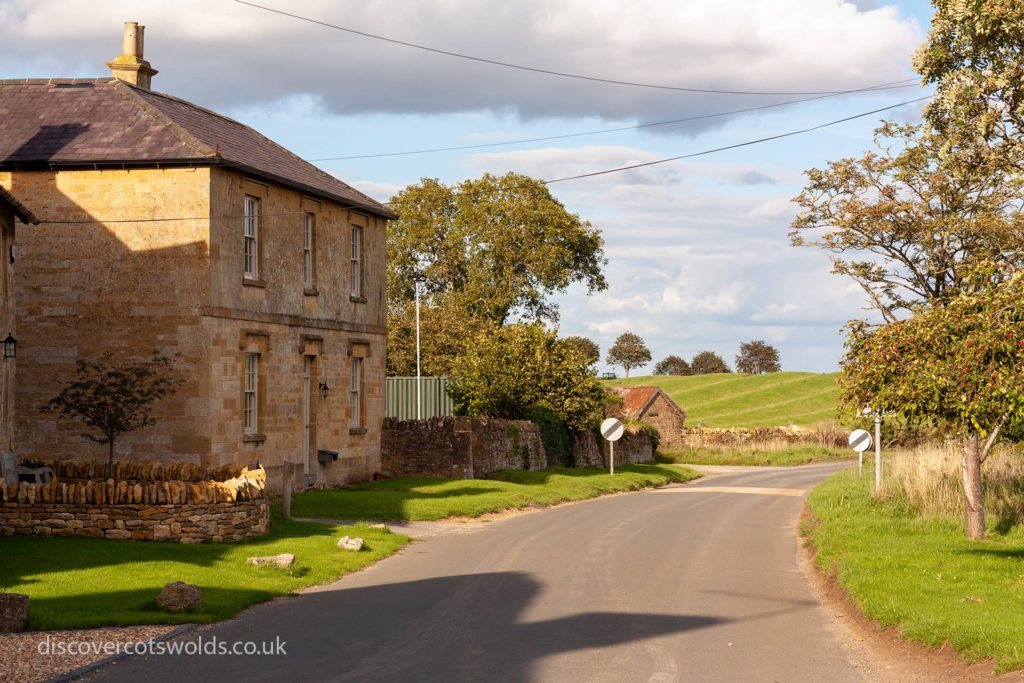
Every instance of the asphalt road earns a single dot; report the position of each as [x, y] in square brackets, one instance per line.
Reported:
[696, 582]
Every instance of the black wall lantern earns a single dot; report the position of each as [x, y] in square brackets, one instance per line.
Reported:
[10, 347]
[323, 389]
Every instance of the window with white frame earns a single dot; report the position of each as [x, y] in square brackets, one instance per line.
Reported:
[252, 378]
[308, 232]
[357, 261]
[251, 229]
[357, 393]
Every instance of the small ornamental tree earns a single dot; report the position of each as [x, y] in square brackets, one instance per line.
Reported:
[672, 365]
[629, 351]
[708, 363]
[587, 347]
[512, 370]
[114, 398]
[960, 365]
[757, 357]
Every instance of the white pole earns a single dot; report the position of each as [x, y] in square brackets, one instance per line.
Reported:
[419, 412]
[860, 463]
[611, 459]
[878, 452]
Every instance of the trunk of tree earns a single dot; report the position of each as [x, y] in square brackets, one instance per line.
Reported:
[974, 501]
[110, 459]
[627, 372]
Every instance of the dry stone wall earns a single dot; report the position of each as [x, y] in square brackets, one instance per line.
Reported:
[590, 450]
[459, 447]
[144, 504]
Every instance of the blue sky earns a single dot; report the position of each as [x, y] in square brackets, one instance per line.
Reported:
[698, 253]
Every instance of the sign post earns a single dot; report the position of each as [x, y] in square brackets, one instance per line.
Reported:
[611, 429]
[878, 451]
[860, 441]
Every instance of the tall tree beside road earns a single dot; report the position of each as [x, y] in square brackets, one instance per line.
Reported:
[708, 363]
[958, 365]
[587, 347]
[904, 223]
[629, 351]
[672, 365]
[495, 247]
[757, 357]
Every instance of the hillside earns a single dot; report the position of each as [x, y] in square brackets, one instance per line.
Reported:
[737, 400]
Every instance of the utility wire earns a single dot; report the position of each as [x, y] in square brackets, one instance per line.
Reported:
[877, 88]
[521, 67]
[552, 181]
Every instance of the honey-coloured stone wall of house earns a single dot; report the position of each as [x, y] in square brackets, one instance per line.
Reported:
[98, 276]
[669, 419]
[7, 326]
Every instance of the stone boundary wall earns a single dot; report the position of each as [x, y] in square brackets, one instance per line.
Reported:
[710, 436]
[459, 447]
[590, 450]
[174, 510]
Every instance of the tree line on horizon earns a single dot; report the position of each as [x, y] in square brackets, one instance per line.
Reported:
[630, 351]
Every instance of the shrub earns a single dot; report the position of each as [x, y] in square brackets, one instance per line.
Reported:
[554, 434]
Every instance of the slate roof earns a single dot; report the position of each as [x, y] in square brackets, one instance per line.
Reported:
[107, 122]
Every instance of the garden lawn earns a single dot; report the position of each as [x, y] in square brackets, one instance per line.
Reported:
[410, 498]
[84, 582]
[794, 455]
[921, 575]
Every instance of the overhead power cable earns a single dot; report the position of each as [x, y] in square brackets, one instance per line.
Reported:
[877, 88]
[551, 181]
[521, 67]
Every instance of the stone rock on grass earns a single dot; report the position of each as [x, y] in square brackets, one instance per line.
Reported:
[381, 527]
[282, 561]
[13, 612]
[180, 597]
[354, 544]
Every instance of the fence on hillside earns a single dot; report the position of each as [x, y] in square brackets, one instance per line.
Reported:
[434, 398]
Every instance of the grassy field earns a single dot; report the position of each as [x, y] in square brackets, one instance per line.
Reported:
[426, 499]
[786, 456]
[919, 574]
[83, 582]
[737, 400]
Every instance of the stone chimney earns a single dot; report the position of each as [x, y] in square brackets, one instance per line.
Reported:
[130, 66]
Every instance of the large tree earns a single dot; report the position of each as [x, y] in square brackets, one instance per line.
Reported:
[974, 56]
[629, 351]
[494, 247]
[512, 370]
[672, 365]
[446, 331]
[588, 347]
[757, 357]
[708, 363]
[960, 365]
[905, 222]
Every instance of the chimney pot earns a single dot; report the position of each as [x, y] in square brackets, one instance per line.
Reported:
[130, 66]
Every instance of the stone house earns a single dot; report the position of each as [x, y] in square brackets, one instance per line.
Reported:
[653, 406]
[166, 226]
[11, 211]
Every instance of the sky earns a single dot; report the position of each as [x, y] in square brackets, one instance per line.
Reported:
[698, 253]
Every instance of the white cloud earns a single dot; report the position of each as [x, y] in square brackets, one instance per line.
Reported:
[227, 54]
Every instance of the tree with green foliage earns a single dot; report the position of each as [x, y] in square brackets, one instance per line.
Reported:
[511, 370]
[587, 347]
[114, 398]
[973, 58]
[757, 357]
[960, 366]
[906, 222]
[672, 365]
[494, 247]
[629, 351]
[446, 331]
[708, 363]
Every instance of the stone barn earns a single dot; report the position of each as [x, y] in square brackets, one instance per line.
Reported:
[653, 406]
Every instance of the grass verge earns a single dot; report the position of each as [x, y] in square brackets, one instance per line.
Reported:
[783, 456]
[921, 575]
[410, 498]
[84, 583]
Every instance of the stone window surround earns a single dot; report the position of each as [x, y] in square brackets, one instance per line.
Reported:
[358, 351]
[254, 342]
[260, 192]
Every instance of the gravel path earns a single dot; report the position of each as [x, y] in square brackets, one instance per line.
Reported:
[23, 657]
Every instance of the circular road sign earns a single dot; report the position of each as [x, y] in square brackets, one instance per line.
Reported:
[860, 440]
[611, 429]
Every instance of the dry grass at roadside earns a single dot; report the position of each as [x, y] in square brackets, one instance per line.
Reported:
[773, 453]
[927, 481]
